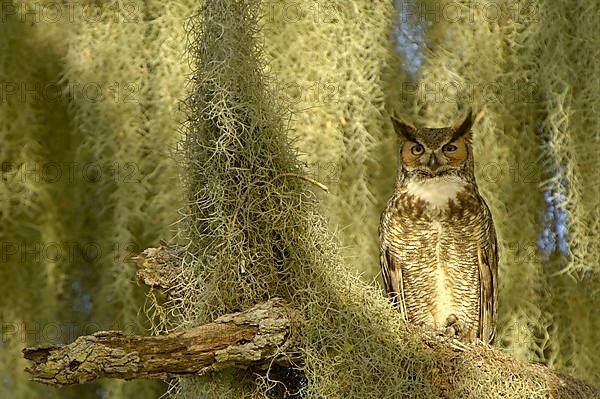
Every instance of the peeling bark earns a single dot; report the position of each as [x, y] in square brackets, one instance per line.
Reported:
[251, 338]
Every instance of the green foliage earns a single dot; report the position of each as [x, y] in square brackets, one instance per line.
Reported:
[88, 120]
[33, 232]
[131, 54]
[566, 74]
[332, 61]
[96, 95]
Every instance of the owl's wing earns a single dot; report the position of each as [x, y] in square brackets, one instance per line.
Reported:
[392, 276]
[488, 277]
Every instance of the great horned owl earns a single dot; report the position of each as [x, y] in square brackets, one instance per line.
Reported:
[438, 248]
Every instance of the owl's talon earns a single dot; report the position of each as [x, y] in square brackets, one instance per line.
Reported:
[451, 320]
[455, 344]
[453, 328]
[449, 340]
[451, 332]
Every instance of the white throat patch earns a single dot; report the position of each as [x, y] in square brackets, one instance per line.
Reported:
[436, 191]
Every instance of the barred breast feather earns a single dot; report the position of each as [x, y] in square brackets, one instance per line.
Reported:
[438, 256]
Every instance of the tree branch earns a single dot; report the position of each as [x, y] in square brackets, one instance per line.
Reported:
[261, 336]
[251, 338]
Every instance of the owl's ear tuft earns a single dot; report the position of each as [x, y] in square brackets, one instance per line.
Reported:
[403, 129]
[463, 127]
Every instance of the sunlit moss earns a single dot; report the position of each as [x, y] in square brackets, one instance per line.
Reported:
[331, 61]
[253, 231]
[88, 120]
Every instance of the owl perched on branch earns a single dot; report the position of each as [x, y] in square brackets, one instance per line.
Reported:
[438, 248]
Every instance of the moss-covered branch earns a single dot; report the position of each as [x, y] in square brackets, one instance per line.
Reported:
[259, 337]
[254, 337]
[263, 335]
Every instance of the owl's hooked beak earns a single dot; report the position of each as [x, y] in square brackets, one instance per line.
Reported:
[433, 162]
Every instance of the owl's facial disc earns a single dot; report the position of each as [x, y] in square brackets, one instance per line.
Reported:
[445, 159]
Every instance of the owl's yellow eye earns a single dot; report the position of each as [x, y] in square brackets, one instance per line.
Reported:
[450, 148]
[417, 150]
